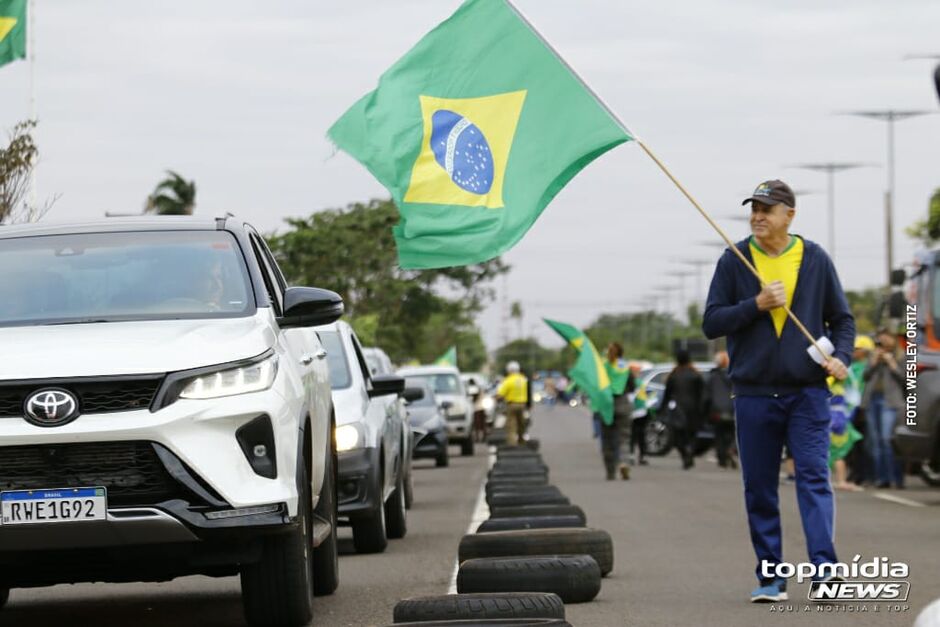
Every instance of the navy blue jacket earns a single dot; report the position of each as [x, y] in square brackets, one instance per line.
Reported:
[761, 363]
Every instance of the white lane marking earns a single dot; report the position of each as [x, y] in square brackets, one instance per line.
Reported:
[897, 499]
[480, 513]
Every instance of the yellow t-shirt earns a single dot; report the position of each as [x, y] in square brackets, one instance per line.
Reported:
[784, 267]
[514, 388]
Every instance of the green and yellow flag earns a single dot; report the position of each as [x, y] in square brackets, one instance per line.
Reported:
[447, 359]
[473, 132]
[12, 30]
[589, 371]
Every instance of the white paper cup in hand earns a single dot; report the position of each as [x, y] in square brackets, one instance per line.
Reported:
[826, 345]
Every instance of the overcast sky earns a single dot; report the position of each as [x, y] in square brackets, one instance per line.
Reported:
[238, 96]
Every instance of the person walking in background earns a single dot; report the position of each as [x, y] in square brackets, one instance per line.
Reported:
[780, 392]
[860, 464]
[883, 398]
[640, 419]
[622, 385]
[682, 402]
[842, 435]
[720, 411]
[514, 390]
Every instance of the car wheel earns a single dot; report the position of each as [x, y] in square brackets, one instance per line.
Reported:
[409, 489]
[278, 589]
[326, 556]
[396, 521]
[4, 596]
[479, 607]
[466, 447]
[929, 475]
[574, 578]
[658, 438]
[443, 458]
[369, 530]
[572, 541]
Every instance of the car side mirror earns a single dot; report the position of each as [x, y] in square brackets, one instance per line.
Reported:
[898, 277]
[386, 384]
[445, 405]
[310, 307]
[412, 394]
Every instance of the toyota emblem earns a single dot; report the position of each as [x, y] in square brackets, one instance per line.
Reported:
[51, 408]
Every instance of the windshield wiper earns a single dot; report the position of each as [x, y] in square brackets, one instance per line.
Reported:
[78, 321]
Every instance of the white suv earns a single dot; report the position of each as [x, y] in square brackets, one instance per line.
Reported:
[165, 410]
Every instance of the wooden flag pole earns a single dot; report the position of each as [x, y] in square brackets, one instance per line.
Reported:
[734, 249]
[672, 178]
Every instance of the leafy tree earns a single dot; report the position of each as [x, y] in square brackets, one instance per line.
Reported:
[866, 306]
[173, 196]
[352, 251]
[531, 356]
[17, 161]
[928, 231]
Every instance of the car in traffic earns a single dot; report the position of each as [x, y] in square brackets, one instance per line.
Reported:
[452, 393]
[380, 364]
[164, 411]
[428, 423]
[917, 437]
[370, 442]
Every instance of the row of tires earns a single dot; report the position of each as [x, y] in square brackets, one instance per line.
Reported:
[532, 555]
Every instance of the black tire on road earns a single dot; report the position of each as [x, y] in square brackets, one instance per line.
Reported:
[492, 487]
[4, 596]
[466, 447]
[326, 556]
[530, 481]
[499, 473]
[516, 451]
[396, 519]
[515, 511]
[369, 535]
[443, 458]
[278, 589]
[529, 522]
[504, 468]
[533, 443]
[498, 499]
[584, 541]
[574, 578]
[479, 607]
[496, 437]
[499, 622]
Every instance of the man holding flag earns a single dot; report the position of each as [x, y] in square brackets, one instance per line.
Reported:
[780, 392]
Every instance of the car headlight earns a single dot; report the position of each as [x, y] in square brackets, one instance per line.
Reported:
[488, 403]
[241, 380]
[537, 397]
[348, 437]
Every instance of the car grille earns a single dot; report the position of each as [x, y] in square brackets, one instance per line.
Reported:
[131, 471]
[94, 396]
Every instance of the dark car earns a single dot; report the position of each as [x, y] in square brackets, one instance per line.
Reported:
[428, 425]
[917, 431]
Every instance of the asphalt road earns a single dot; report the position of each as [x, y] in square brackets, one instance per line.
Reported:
[682, 554]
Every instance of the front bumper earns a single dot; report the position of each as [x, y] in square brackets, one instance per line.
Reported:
[359, 490]
[429, 444]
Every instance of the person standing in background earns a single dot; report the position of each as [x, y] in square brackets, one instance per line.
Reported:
[719, 410]
[682, 401]
[514, 390]
[883, 399]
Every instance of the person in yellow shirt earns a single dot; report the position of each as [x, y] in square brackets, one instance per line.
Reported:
[515, 391]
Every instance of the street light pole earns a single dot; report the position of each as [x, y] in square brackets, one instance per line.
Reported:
[831, 168]
[889, 116]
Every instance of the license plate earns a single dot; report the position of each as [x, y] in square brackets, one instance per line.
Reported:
[27, 507]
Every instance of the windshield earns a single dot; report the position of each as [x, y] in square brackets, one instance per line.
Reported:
[418, 382]
[443, 383]
[336, 360]
[104, 277]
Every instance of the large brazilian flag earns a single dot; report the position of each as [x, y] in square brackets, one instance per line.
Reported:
[12, 30]
[473, 132]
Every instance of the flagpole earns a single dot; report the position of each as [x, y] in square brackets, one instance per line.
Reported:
[30, 26]
[662, 166]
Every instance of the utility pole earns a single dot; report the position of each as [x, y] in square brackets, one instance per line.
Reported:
[831, 169]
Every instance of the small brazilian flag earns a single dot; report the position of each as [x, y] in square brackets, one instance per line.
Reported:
[473, 132]
[447, 359]
[12, 30]
[589, 371]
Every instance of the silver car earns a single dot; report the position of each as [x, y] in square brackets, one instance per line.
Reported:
[452, 393]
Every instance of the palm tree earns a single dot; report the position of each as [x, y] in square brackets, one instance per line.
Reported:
[515, 312]
[173, 196]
